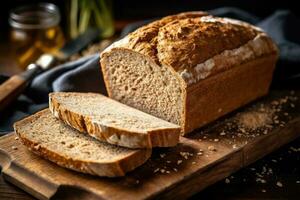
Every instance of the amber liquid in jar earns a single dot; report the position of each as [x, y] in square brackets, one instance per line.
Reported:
[35, 31]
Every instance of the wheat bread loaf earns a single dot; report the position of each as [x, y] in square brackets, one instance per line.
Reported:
[50, 138]
[111, 121]
[190, 68]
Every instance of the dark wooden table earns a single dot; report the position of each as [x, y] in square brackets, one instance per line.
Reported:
[276, 176]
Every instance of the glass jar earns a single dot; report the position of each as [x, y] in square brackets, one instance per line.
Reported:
[35, 30]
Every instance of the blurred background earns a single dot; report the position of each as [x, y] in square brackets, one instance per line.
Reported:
[16, 49]
[21, 44]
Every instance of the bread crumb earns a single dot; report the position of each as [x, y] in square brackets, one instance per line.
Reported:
[295, 149]
[292, 105]
[175, 169]
[14, 147]
[16, 138]
[260, 180]
[179, 162]
[162, 155]
[234, 146]
[168, 172]
[193, 163]
[185, 155]
[200, 153]
[263, 190]
[297, 182]
[168, 161]
[222, 133]
[242, 130]
[211, 148]
[227, 181]
[279, 184]
[162, 170]
[156, 170]
[216, 140]
[137, 181]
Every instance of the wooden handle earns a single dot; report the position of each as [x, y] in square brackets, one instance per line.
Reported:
[11, 89]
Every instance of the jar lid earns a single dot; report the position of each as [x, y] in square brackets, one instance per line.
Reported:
[39, 16]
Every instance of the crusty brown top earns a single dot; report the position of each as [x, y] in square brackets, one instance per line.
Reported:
[145, 39]
[183, 40]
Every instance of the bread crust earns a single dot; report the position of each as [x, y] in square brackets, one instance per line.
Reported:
[165, 137]
[218, 95]
[111, 168]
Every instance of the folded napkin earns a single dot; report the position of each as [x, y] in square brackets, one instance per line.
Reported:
[84, 74]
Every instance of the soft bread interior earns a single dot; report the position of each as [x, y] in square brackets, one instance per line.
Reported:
[154, 89]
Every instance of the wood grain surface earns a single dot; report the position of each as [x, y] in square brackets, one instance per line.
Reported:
[201, 159]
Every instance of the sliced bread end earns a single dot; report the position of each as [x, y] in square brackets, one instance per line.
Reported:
[159, 134]
[50, 138]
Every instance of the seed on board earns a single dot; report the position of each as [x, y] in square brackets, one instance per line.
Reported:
[263, 190]
[279, 184]
[179, 162]
[292, 105]
[222, 133]
[156, 170]
[227, 180]
[212, 148]
[162, 155]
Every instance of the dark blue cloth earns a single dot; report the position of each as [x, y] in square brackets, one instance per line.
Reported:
[84, 74]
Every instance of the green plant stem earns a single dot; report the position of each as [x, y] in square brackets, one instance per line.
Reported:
[73, 18]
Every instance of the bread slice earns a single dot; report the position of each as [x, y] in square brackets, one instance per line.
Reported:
[111, 121]
[50, 138]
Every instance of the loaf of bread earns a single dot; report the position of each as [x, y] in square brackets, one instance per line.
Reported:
[190, 68]
[50, 138]
[111, 121]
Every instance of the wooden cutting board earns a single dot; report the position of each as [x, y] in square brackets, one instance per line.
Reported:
[205, 157]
